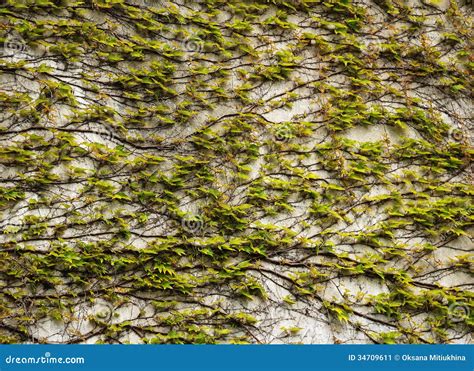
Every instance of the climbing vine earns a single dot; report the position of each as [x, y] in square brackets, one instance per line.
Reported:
[236, 171]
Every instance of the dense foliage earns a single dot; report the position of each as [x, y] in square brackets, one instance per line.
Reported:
[236, 171]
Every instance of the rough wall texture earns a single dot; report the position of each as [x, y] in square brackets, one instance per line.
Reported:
[236, 171]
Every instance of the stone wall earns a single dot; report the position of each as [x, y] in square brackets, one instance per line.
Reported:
[236, 171]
